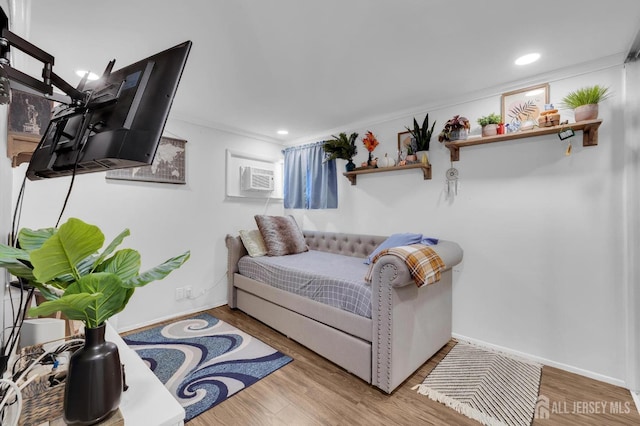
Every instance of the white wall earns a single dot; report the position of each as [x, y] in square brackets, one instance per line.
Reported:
[164, 219]
[542, 233]
[5, 204]
[632, 158]
[19, 25]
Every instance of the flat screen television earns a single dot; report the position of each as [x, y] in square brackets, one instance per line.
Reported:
[120, 123]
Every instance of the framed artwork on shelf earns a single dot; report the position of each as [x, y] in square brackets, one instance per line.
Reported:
[404, 140]
[524, 104]
[168, 165]
[29, 114]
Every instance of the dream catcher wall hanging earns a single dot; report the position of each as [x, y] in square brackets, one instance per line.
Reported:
[452, 181]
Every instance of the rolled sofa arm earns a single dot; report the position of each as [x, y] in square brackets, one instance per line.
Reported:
[235, 250]
[450, 253]
[391, 270]
[410, 323]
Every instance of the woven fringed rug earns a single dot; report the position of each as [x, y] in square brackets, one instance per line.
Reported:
[490, 387]
[203, 360]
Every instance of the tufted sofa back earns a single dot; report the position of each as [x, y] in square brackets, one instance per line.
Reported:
[356, 245]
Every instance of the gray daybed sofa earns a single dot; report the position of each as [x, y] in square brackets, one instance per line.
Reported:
[408, 324]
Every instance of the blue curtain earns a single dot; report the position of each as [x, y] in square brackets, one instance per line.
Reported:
[310, 182]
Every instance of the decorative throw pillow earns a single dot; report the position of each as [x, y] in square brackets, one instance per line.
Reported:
[281, 235]
[395, 240]
[253, 242]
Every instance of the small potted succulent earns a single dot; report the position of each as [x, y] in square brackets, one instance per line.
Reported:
[456, 128]
[342, 146]
[584, 101]
[489, 124]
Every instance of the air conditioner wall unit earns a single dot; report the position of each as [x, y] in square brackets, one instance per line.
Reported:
[256, 179]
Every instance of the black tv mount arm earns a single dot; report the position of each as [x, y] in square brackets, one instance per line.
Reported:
[49, 78]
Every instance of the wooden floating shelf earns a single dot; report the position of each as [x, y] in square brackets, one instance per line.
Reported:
[20, 147]
[588, 127]
[426, 171]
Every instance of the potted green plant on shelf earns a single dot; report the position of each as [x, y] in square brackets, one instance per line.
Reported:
[411, 155]
[65, 265]
[342, 146]
[421, 136]
[585, 100]
[456, 128]
[489, 124]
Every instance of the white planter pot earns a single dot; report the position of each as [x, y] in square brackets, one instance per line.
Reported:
[421, 154]
[458, 135]
[490, 130]
[586, 112]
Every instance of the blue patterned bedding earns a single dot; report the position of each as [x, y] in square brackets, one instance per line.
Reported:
[332, 279]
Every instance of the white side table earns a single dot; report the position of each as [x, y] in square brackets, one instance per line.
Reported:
[146, 402]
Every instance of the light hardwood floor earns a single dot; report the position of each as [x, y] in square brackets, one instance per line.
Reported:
[313, 391]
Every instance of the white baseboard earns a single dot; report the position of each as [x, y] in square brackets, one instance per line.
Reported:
[169, 317]
[544, 361]
[636, 399]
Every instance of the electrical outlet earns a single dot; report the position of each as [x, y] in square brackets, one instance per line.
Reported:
[187, 292]
[179, 293]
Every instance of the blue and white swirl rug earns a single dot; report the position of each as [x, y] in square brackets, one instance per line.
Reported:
[203, 360]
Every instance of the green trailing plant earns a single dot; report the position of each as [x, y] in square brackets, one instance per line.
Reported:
[422, 135]
[76, 279]
[341, 146]
[489, 119]
[585, 96]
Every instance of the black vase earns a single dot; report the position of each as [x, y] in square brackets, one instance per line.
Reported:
[350, 166]
[94, 380]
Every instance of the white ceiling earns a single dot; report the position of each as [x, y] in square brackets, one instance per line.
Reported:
[315, 67]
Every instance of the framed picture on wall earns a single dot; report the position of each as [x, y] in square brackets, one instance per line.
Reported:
[524, 104]
[29, 114]
[168, 165]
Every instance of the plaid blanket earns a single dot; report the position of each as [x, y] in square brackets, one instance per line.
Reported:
[424, 263]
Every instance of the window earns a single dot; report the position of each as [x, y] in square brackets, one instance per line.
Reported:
[310, 182]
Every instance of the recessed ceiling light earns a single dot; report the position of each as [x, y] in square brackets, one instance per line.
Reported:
[527, 59]
[92, 76]
[283, 132]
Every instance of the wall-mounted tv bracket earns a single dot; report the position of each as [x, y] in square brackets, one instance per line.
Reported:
[25, 82]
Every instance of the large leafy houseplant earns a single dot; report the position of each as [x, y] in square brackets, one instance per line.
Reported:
[341, 146]
[422, 135]
[76, 279]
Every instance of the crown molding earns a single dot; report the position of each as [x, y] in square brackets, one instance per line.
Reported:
[549, 77]
[552, 76]
[227, 129]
